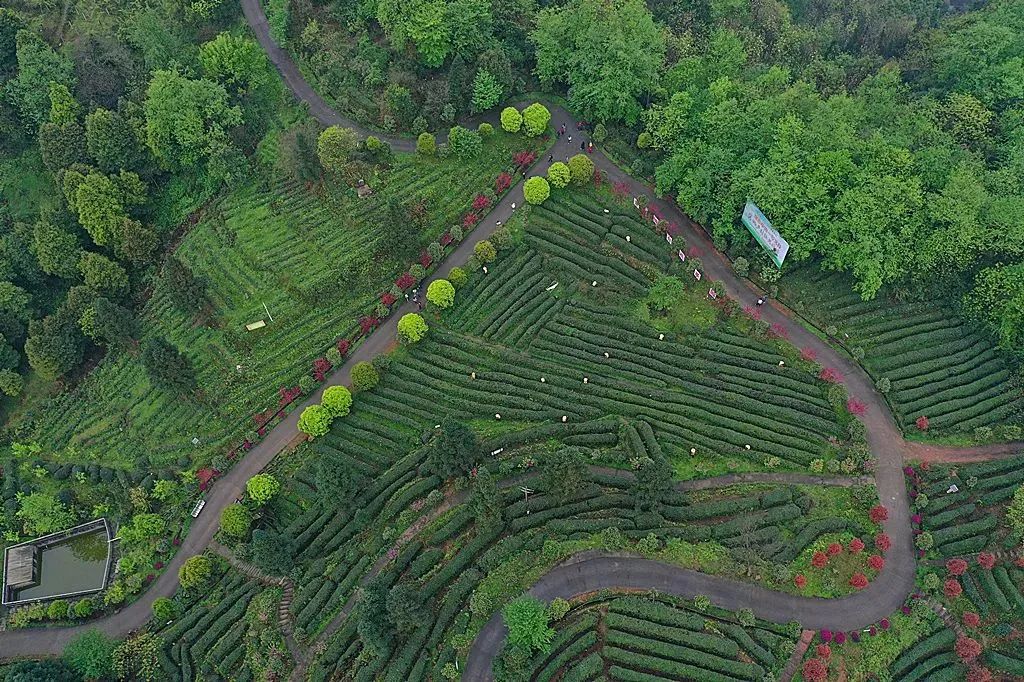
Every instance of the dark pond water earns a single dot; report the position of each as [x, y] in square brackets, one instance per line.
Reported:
[75, 565]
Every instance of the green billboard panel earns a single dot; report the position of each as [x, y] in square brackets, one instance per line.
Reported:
[766, 235]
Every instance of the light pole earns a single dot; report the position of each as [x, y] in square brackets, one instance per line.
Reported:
[526, 496]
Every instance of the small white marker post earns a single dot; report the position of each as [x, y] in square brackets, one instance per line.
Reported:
[526, 496]
[268, 311]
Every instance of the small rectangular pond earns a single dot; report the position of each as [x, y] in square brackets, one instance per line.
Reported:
[73, 564]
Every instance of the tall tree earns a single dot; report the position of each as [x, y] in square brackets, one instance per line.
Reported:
[454, 450]
[565, 473]
[55, 343]
[187, 292]
[38, 66]
[186, 119]
[112, 141]
[609, 52]
[168, 367]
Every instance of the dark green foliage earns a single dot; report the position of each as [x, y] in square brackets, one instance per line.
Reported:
[186, 291]
[565, 473]
[168, 367]
[454, 450]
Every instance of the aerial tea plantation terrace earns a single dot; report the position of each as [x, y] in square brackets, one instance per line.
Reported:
[688, 347]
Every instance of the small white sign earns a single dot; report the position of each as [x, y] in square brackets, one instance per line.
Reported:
[682, 256]
[696, 275]
[668, 237]
[655, 219]
[636, 203]
[711, 294]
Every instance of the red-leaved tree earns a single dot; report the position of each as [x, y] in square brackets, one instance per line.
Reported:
[808, 354]
[956, 566]
[922, 423]
[800, 581]
[343, 346]
[856, 407]
[834, 549]
[859, 581]
[878, 513]
[502, 182]
[986, 560]
[967, 648]
[971, 619]
[815, 670]
[951, 588]
[524, 159]
[831, 375]
[480, 202]
[882, 542]
[819, 560]
[876, 562]
[856, 546]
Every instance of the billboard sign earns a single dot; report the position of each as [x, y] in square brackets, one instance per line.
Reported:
[766, 235]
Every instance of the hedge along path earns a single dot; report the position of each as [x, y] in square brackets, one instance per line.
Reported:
[882, 597]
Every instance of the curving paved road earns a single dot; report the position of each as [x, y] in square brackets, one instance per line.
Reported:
[588, 571]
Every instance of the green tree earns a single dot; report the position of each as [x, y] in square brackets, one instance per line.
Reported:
[272, 552]
[535, 119]
[454, 449]
[536, 190]
[486, 91]
[653, 480]
[11, 383]
[102, 274]
[1015, 512]
[55, 344]
[565, 473]
[238, 63]
[335, 148]
[337, 400]
[168, 367]
[666, 292]
[458, 277]
[101, 202]
[527, 621]
[42, 513]
[63, 106]
[10, 23]
[315, 421]
[485, 251]
[581, 168]
[235, 520]
[441, 293]
[186, 119]
[297, 152]
[38, 66]
[363, 376]
[135, 242]
[83, 608]
[485, 500]
[511, 120]
[186, 291]
[89, 655]
[61, 146]
[558, 174]
[405, 607]
[464, 143]
[426, 144]
[337, 484]
[373, 625]
[609, 54]
[412, 328]
[196, 572]
[112, 140]
[57, 250]
[164, 609]
[997, 301]
[110, 324]
[262, 488]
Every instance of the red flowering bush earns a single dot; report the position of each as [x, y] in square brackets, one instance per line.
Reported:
[287, 395]
[856, 407]
[967, 648]
[986, 560]
[800, 581]
[321, 366]
[343, 346]
[1019, 562]
[876, 562]
[752, 313]
[425, 259]
[823, 651]
[808, 354]
[859, 581]
[856, 546]
[480, 202]
[368, 324]
[620, 190]
[524, 159]
[405, 281]
[470, 220]
[387, 298]
[840, 638]
[445, 239]
[956, 566]
[951, 588]
[878, 513]
[834, 549]
[502, 182]
[831, 375]
[882, 542]
[819, 560]
[815, 670]
[979, 674]
[971, 619]
[779, 330]
[922, 423]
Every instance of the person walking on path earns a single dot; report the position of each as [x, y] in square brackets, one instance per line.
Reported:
[583, 146]
[570, 139]
[551, 157]
[590, 147]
